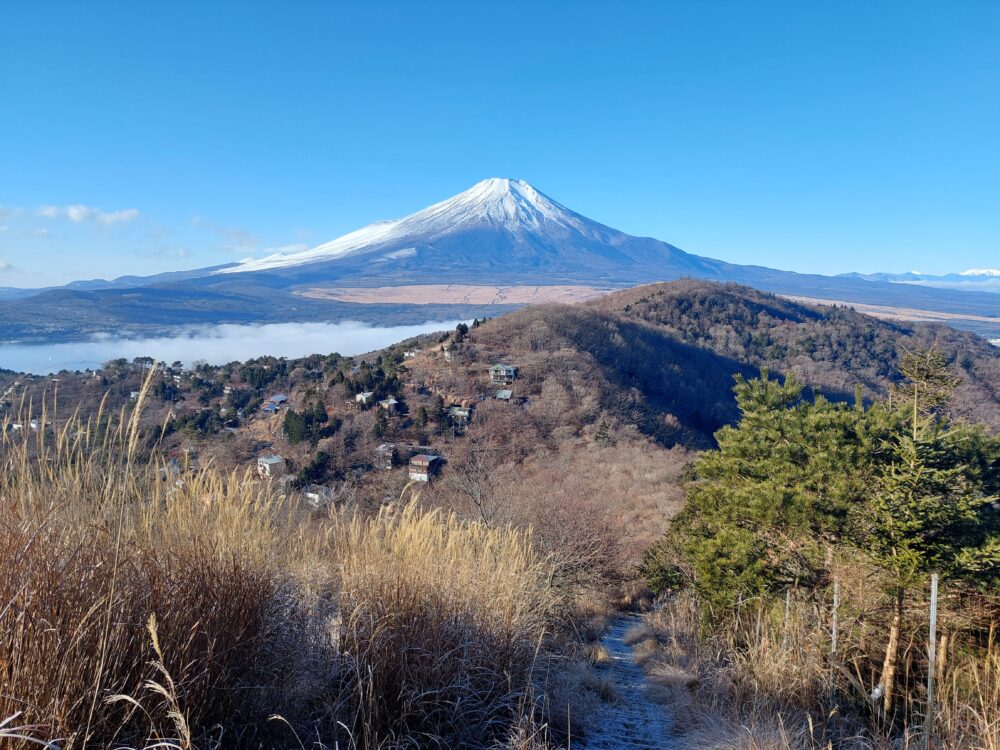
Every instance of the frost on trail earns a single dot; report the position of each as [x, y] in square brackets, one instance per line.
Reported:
[633, 721]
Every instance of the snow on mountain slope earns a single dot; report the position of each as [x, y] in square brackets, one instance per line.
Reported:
[974, 279]
[512, 206]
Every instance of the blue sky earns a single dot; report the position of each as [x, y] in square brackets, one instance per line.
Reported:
[813, 136]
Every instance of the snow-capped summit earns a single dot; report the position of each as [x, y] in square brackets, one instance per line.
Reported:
[496, 221]
[992, 272]
[974, 279]
[497, 202]
[507, 202]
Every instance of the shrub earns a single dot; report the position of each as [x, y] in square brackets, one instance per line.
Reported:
[136, 610]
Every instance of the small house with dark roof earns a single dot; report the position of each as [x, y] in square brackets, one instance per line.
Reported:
[424, 466]
[502, 374]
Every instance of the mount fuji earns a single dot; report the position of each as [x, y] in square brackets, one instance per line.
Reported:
[502, 242]
[499, 231]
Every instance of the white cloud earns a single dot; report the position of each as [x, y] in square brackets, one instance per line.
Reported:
[5, 266]
[78, 213]
[117, 217]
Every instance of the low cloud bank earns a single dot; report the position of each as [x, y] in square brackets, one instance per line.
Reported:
[214, 344]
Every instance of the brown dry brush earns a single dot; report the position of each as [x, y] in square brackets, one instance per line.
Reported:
[764, 681]
[135, 609]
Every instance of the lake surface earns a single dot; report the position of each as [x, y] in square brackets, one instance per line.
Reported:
[216, 345]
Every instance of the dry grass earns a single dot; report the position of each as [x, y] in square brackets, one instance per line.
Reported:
[762, 685]
[440, 621]
[970, 703]
[134, 611]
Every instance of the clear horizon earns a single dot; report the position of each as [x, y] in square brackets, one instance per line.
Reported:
[141, 139]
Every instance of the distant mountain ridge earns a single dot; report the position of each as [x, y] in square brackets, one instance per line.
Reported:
[501, 232]
[973, 279]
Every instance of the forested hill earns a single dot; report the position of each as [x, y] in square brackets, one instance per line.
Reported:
[829, 347]
[663, 356]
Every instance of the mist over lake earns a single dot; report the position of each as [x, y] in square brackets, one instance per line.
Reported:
[215, 345]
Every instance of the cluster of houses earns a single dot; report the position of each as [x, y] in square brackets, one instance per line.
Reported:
[503, 375]
[422, 463]
[274, 403]
[421, 466]
[366, 397]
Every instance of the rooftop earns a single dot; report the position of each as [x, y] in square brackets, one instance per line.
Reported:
[424, 459]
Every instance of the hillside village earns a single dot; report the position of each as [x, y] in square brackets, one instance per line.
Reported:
[576, 426]
[509, 418]
[444, 411]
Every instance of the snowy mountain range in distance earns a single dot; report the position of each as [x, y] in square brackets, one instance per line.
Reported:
[499, 244]
[974, 279]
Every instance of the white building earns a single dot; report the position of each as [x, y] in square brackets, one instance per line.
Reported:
[270, 467]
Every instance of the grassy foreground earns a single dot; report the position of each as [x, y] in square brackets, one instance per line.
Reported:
[138, 613]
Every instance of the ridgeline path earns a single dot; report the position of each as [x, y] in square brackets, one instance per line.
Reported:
[633, 721]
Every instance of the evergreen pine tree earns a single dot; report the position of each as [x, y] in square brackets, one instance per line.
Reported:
[926, 508]
[295, 427]
[765, 509]
[381, 426]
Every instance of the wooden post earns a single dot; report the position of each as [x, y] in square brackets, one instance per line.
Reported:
[931, 662]
[788, 610]
[892, 655]
[942, 657]
[834, 625]
[834, 637]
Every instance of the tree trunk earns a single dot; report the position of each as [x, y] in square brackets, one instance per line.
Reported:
[942, 657]
[892, 655]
